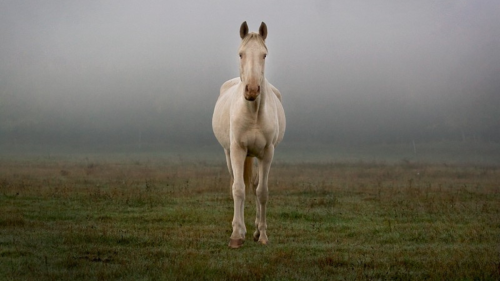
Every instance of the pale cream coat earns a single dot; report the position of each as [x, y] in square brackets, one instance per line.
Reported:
[249, 121]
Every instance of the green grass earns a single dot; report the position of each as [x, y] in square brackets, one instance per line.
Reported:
[156, 220]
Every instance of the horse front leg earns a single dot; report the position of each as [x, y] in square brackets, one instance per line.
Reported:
[238, 156]
[262, 195]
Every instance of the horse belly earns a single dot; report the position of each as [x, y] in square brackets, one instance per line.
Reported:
[220, 123]
[222, 111]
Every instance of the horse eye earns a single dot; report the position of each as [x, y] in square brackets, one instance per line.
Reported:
[241, 56]
[265, 56]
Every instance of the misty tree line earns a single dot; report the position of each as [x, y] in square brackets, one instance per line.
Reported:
[173, 121]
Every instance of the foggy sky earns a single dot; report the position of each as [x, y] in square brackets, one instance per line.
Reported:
[380, 71]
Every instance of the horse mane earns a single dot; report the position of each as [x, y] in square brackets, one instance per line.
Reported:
[253, 36]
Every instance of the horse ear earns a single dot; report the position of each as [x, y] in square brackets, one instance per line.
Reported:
[243, 30]
[263, 30]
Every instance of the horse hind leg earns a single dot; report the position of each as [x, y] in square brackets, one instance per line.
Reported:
[251, 182]
[255, 183]
[230, 169]
[228, 162]
[262, 195]
[248, 174]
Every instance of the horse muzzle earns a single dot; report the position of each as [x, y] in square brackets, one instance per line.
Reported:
[252, 92]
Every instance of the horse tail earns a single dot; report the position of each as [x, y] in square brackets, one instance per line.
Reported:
[248, 176]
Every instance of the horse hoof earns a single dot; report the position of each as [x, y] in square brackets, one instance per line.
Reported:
[235, 243]
[262, 242]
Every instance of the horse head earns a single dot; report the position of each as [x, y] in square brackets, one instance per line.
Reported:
[253, 52]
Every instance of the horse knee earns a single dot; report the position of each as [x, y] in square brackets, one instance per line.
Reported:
[262, 194]
[238, 190]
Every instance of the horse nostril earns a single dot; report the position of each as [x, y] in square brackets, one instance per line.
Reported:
[258, 89]
[246, 88]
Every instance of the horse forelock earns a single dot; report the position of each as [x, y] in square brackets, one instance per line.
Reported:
[252, 36]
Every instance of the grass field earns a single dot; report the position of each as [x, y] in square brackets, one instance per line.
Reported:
[158, 220]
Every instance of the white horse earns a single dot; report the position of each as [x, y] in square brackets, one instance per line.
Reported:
[249, 121]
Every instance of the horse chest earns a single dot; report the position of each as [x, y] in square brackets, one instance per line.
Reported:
[255, 142]
[254, 138]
